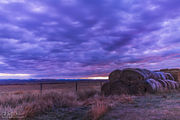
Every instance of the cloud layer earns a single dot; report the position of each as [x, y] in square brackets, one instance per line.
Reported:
[81, 38]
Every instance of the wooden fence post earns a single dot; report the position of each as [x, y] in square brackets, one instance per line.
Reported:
[101, 83]
[76, 86]
[41, 88]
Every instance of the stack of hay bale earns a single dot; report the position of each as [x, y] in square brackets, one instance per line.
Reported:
[174, 72]
[138, 81]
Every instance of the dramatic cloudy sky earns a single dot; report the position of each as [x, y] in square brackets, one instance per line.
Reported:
[83, 38]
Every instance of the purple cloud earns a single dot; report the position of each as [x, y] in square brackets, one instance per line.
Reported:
[77, 38]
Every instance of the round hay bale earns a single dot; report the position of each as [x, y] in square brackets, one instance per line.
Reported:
[132, 76]
[105, 89]
[151, 86]
[154, 86]
[155, 76]
[162, 75]
[173, 84]
[118, 88]
[168, 84]
[169, 76]
[115, 75]
[138, 88]
[147, 74]
[159, 86]
[163, 83]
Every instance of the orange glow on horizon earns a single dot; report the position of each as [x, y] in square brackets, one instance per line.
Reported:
[13, 75]
[101, 77]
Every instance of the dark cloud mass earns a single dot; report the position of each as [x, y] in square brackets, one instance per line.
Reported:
[82, 38]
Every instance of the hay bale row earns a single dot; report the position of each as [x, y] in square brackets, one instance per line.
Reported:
[173, 72]
[135, 81]
[134, 75]
[153, 86]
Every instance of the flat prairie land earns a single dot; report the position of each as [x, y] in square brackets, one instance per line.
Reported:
[63, 102]
[149, 107]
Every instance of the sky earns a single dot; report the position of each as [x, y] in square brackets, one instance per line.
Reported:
[87, 38]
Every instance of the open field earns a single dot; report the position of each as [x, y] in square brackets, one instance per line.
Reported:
[71, 86]
[63, 102]
[149, 107]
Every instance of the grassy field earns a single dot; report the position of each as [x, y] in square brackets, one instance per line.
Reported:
[64, 103]
[148, 107]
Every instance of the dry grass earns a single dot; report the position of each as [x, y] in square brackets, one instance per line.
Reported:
[98, 110]
[101, 105]
[22, 105]
[87, 93]
[110, 100]
[18, 106]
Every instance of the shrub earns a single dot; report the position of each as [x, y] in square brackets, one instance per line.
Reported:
[98, 110]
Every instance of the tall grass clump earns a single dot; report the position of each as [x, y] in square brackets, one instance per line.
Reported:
[98, 110]
[100, 105]
[29, 105]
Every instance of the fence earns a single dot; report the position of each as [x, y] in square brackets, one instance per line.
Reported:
[41, 85]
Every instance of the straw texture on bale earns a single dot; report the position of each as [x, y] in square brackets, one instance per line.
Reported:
[115, 76]
[169, 76]
[114, 88]
[151, 85]
[132, 76]
[173, 72]
[105, 89]
[163, 83]
[138, 81]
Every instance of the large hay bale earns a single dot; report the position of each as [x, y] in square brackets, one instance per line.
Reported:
[161, 75]
[137, 88]
[132, 76]
[105, 89]
[163, 83]
[169, 76]
[112, 88]
[115, 75]
[153, 86]
[173, 86]
[146, 73]
[168, 84]
[118, 88]
[150, 86]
